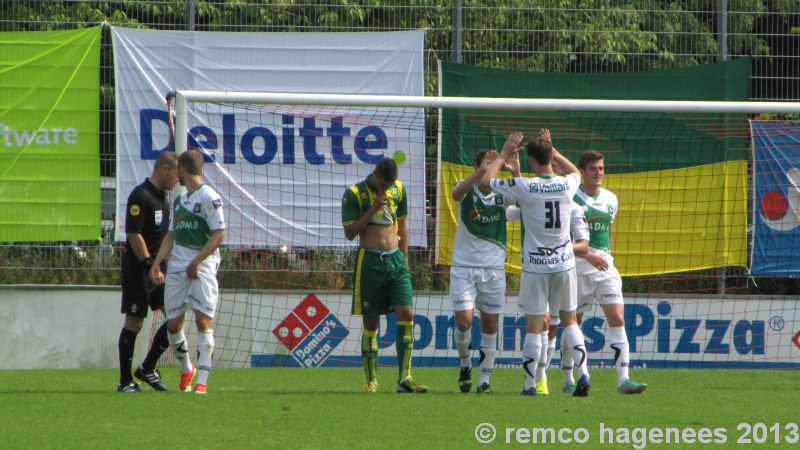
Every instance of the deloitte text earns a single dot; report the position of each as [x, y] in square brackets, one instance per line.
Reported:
[260, 145]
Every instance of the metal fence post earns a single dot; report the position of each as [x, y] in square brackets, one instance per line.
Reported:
[190, 13]
[722, 30]
[458, 15]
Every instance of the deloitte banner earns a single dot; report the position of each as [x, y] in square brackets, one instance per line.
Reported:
[282, 172]
[317, 329]
[49, 135]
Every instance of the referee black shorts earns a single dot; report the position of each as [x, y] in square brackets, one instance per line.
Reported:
[138, 292]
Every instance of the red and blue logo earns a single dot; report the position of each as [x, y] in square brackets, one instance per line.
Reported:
[310, 332]
[776, 177]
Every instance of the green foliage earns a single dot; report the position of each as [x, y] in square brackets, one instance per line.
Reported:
[604, 35]
[774, 286]
[35, 16]
[302, 268]
[550, 35]
[784, 117]
[286, 268]
[59, 263]
[546, 35]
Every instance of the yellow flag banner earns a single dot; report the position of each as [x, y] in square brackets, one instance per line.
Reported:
[669, 221]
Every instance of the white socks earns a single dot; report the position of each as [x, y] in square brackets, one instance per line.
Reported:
[531, 354]
[541, 368]
[551, 348]
[572, 337]
[577, 358]
[463, 339]
[567, 378]
[488, 354]
[181, 350]
[205, 348]
[619, 343]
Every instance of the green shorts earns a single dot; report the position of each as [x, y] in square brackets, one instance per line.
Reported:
[382, 281]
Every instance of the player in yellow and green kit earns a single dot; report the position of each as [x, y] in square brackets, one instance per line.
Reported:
[376, 211]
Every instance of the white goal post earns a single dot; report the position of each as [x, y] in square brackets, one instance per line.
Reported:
[184, 97]
[685, 205]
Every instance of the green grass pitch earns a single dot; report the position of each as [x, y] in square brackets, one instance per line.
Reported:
[324, 408]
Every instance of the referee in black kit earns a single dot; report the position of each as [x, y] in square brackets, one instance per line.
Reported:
[147, 221]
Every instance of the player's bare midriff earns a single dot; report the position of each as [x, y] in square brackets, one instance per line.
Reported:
[379, 237]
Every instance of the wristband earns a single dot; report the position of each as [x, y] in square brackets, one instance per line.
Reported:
[147, 263]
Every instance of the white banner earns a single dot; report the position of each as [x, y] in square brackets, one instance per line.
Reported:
[311, 330]
[281, 173]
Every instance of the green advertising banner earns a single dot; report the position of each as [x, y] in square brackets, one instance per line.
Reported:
[49, 135]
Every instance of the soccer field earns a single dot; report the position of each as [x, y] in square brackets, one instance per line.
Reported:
[323, 408]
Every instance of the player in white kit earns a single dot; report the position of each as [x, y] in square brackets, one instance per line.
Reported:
[598, 279]
[580, 244]
[195, 235]
[548, 260]
[477, 274]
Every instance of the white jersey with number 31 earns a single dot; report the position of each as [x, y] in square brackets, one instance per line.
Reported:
[546, 205]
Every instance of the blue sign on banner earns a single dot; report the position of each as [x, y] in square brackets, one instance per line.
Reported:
[776, 178]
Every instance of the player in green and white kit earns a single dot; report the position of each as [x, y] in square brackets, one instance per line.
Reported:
[477, 274]
[195, 234]
[598, 279]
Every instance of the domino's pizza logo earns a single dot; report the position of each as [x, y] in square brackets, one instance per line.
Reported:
[310, 332]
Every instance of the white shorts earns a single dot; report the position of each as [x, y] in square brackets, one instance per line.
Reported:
[182, 292]
[605, 286]
[557, 290]
[475, 288]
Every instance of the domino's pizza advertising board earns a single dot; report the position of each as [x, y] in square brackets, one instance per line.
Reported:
[310, 332]
[317, 330]
[281, 170]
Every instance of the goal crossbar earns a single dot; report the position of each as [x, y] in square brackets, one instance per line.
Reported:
[681, 170]
[184, 97]
[673, 106]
